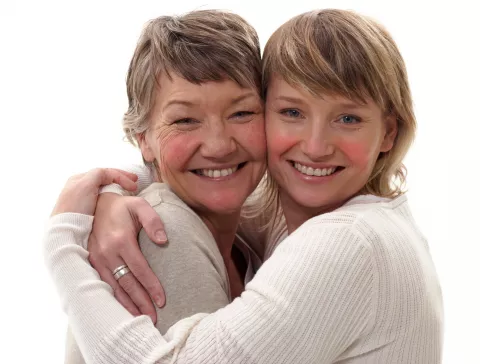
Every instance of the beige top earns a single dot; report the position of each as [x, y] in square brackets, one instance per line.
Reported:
[190, 266]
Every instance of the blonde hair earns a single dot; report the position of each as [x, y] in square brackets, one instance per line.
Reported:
[200, 46]
[341, 52]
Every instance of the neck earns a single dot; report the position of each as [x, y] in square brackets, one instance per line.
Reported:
[223, 228]
[296, 214]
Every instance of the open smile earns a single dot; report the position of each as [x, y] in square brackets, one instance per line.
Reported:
[316, 172]
[218, 173]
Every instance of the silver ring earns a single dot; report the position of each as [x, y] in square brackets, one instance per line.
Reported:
[119, 274]
[118, 268]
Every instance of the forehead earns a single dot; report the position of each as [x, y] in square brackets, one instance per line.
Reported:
[173, 87]
[280, 90]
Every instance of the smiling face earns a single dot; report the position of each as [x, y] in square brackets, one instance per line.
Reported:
[322, 150]
[208, 142]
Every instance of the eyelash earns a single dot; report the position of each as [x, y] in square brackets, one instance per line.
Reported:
[286, 111]
[243, 114]
[184, 121]
[357, 119]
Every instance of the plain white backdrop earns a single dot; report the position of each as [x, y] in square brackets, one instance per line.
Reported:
[62, 96]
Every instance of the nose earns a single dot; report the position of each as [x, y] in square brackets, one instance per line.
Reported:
[318, 143]
[218, 142]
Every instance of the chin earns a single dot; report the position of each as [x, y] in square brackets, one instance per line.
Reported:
[224, 205]
[314, 199]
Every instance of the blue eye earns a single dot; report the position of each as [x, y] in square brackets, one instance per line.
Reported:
[349, 119]
[291, 113]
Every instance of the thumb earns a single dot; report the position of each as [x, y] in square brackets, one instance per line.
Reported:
[148, 218]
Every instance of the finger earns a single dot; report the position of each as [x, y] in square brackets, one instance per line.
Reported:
[138, 265]
[118, 291]
[138, 295]
[126, 301]
[106, 176]
[149, 220]
[129, 175]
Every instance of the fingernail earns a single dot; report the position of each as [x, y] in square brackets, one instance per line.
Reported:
[159, 301]
[161, 236]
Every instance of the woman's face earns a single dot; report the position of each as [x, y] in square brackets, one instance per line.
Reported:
[321, 150]
[208, 141]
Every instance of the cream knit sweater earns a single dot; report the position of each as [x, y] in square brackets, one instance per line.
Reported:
[356, 285]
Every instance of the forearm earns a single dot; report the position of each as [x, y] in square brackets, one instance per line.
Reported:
[92, 310]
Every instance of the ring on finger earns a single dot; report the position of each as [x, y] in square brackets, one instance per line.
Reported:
[118, 268]
[120, 272]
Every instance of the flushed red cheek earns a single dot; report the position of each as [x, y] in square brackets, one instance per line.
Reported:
[176, 152]
[280, 143]
[359, 154]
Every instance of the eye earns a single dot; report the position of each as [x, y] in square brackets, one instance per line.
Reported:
[291, 113]
[185, 121]
[242, 114]
[349, 119]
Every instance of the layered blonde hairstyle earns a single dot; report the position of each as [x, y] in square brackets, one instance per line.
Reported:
[200, 46]
[343, 53]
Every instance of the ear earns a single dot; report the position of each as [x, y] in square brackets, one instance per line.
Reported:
[391, 130]
[147, 152]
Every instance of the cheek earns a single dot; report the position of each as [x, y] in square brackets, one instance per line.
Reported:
[251, 136]
[175, 152]
[359, 153]
[279, 140]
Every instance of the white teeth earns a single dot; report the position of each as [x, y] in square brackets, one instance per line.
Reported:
[309, 171]
[215, 173]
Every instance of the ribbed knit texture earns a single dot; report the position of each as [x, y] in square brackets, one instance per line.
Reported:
[353, 286]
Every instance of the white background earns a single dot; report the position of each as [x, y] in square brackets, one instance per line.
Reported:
[62, 96]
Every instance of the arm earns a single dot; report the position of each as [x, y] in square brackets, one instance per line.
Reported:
[192, 269]
[145, 179]
[308, 303]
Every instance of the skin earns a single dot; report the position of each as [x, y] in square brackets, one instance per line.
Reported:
[322, 132]
[214, 125]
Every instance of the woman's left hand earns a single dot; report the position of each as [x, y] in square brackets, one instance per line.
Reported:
[81, 191]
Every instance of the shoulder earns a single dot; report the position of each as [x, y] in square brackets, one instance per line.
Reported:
[362, 232]
[175, 214]
[368, 217]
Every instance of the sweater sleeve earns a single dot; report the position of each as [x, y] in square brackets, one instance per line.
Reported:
[309, 302]
[145, 179]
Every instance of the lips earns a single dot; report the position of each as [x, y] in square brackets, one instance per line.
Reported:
[315, 172]
[218, 172]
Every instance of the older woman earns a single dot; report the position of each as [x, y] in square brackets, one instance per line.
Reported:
[353, 282]
[196, 112]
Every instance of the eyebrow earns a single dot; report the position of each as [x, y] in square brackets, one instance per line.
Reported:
[187, 103]
[179, 102]
[240, 98]
[342, 105]
[290, 99]
[350, 105]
